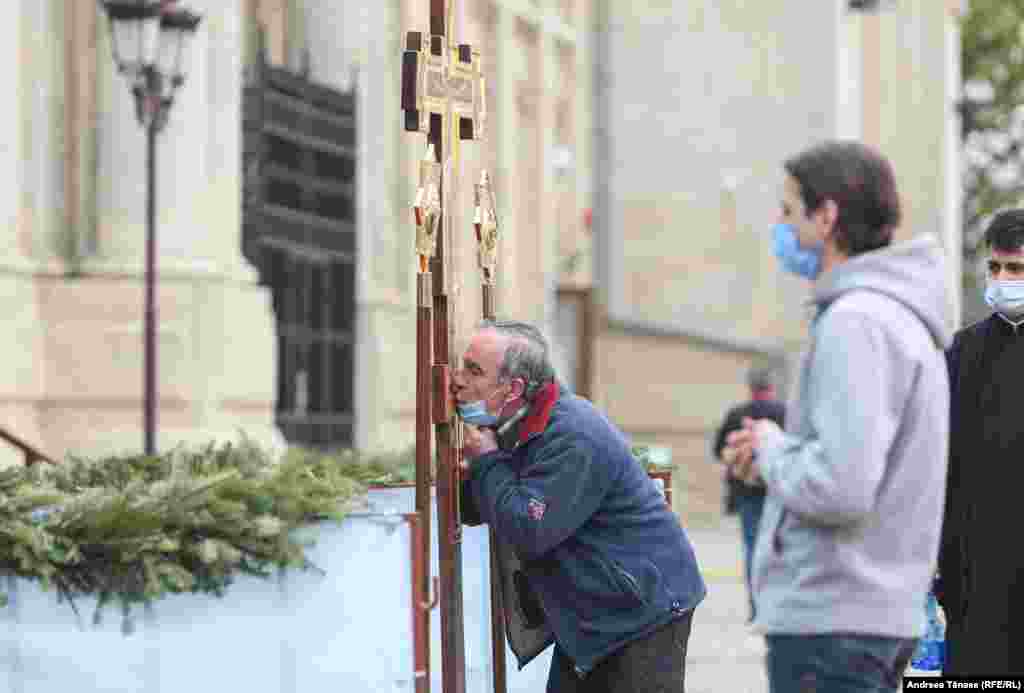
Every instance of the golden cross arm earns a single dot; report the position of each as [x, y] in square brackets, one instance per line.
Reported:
[436, 78]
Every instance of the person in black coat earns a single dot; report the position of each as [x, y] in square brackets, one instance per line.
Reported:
[747, 498]
[981, 567]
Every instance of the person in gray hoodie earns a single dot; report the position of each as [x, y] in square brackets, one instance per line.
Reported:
[856, 484]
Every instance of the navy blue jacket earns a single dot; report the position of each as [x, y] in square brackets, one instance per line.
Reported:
[606, 557]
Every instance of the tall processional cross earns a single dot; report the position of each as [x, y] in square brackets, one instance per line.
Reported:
[442, 97]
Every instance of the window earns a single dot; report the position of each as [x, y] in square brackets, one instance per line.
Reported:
[299, 230]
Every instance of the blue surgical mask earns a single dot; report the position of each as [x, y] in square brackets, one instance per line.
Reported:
[476, 412]
[1006, 296]
[800, 261]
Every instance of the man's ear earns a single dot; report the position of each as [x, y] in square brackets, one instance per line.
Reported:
[829, 212]
[518, 389]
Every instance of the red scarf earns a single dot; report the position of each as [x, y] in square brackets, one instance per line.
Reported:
[537, 420]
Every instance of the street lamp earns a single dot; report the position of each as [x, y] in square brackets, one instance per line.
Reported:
[150, 42]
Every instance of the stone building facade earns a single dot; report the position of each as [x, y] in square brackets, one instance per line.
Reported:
[687, 185]
[635, 150]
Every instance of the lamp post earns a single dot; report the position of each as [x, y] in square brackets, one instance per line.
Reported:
[150, 42]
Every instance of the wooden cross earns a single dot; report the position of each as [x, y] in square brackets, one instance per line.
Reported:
[443, 97]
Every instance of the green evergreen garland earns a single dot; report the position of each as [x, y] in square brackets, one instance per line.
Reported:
[133, 529]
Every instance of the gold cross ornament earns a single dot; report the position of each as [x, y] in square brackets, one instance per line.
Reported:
[485, 222]
[438, 75]
[427, 208]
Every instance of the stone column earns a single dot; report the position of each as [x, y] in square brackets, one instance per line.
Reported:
[84, 24]
[120, 167]
[358, 45]
[14, 62]
[42, 188]
[215, 340]
[198, 181]
[583, 123]
[952, 230]
[547, 108]
[215, 103]
[849, 72]
[871, 78]
[502, 91]
[608, 238]
[21, 377]
[230, 325]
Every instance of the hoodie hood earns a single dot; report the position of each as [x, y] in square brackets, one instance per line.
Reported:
[912, 272]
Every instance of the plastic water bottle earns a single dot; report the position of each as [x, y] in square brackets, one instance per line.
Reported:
[931, 651]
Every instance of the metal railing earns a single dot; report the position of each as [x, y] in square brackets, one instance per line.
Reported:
[32, 455]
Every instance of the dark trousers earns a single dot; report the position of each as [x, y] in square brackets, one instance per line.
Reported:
[750, 509]
[655, 663]
[837, 663]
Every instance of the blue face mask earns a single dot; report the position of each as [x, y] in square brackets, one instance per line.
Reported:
[794, 258]
[1006, 296]
[476, 412]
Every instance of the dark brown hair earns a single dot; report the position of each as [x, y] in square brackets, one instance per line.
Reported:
[862, 184]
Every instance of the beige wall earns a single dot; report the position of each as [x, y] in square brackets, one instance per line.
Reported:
[693, 170]
[916, 109]
[664, 391]
[76, 322]
[518, 58]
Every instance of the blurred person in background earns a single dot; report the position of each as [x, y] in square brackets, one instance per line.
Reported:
[856, 484]
[746, 498]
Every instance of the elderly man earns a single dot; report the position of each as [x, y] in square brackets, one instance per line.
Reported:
[605, 565]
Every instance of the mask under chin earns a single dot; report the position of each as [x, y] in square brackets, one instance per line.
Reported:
[476, 413]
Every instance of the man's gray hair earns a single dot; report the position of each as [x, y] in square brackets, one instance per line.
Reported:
[528, 355]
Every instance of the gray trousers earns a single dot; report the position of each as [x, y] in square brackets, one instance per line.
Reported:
[655, 663]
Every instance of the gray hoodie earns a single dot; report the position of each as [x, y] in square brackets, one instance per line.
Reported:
[850, 532]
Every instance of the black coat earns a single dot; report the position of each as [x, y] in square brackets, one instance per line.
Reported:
[754, 409]
[981, 560]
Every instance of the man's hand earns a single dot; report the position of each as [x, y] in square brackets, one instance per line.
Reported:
[741, 446]
[762, 428]
[478, 441]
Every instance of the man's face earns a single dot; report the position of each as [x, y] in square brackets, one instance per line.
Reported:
[478, 377]
[810, 230]
[1005, 265]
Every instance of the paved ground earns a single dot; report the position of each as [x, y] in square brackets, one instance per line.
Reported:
[724, 653]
